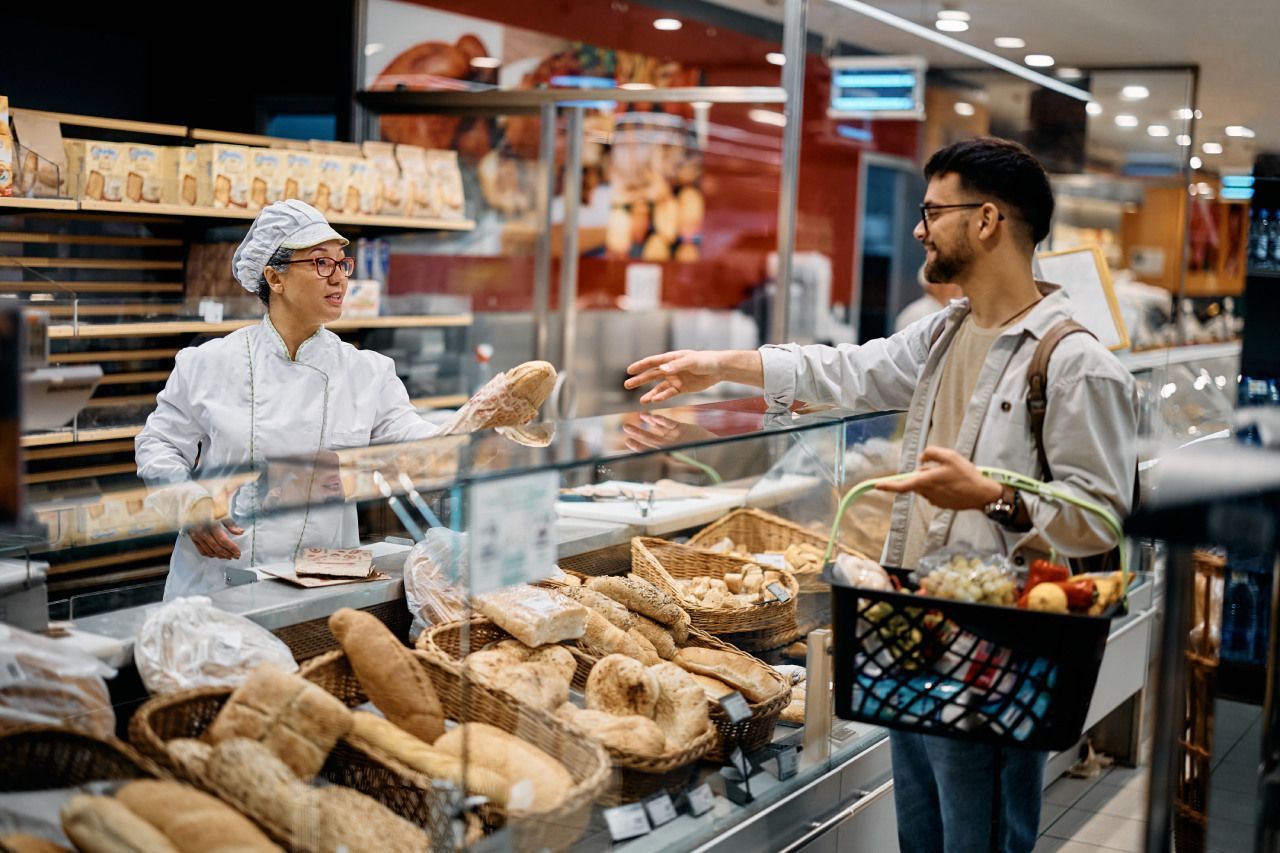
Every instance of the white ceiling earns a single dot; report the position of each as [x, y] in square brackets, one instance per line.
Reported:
[1236, 43]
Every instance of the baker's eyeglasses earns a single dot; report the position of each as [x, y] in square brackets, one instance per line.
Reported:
[326, 267]
[928, 212]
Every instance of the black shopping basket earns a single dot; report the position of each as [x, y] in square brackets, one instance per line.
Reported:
[974, 672]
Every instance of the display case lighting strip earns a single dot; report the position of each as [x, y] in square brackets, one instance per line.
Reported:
[962, 47]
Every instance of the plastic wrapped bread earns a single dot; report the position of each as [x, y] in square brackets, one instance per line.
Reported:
[45, 682]
[533, 616]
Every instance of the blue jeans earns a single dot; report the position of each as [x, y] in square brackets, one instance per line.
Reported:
[943, 790]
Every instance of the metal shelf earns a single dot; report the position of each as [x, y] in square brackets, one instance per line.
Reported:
[530, 101]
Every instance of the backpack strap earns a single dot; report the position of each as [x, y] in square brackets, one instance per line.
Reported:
[1038, 381]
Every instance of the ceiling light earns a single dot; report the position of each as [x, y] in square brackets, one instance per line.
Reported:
[668, 24]
[1126, 120]
[952, 15]
[1070, 74]
[1212, 148]
[1135, 93]
[964, 108]
[1185, 114]
[1010, 43]
[1093, 108]
[1196, 162]
[486, 62]
[1183, 140]
[948, 26]
[1157, 130]
[875, 13]
[775, 58]
[772, 117]
[1240, 131]
[1038, 60]
[1199, 115]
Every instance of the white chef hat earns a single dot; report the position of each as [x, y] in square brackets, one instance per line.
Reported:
[288, 224]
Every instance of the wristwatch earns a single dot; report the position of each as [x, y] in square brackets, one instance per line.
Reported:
[1004, 509]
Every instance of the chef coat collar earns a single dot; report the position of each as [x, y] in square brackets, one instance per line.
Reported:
[309, 346]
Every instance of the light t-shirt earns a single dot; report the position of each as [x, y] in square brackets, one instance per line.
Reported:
[961, 368]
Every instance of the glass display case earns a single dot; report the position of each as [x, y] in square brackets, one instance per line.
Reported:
[449, 530]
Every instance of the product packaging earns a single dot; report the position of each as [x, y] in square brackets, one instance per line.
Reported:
[224, 175]
[962, 574]
[143, 173]
[413, 168]
[181, 176]
[361, 188]
[40, 158]
[332, 172]
[300, 176]
[96, 169]
[267, 167]
[445, 180]
[390, 197]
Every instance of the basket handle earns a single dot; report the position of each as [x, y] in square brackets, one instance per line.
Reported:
[1009, 478]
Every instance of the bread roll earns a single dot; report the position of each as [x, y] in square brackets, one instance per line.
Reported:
[713, 687]
[623, 686]
[104, 825]
[535, 617]
[794, 712]
[194, 821]
[541, 685]
[298, 721]
[427, 760]
[648, 654]
[641, 596]
[602, 638]
[618, 615]
[659, 637]
[634, 734]
[20, 842]
[559, 657]
[733, 580]
[390, 673]
[749, 678]
[513, 759]
[681, 711]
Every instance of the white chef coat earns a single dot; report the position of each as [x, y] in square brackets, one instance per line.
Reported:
[236, 402]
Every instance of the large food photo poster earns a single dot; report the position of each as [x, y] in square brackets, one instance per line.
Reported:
[642, 163]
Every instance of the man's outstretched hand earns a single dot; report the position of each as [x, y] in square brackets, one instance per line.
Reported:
[689, 371]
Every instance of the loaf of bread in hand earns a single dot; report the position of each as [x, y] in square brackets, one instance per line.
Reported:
[681, 711]
[529, 770]
[390, 673]
[743, 674]
[532, 381]
[192, 820]
[105, 825]
[298, 721]
[632, 734]
[623, 686]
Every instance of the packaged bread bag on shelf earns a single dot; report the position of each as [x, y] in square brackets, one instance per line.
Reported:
[445, 182]
[266, 176]
[96, 169]
[224, 175]
[181, 184]
[360, 188]
[48, 682]
[332, 173]
[417, 193]
[300, 176]
[143, 173]
[389, 199]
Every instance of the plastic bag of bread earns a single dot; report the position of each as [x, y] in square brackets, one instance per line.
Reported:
[431, 573]
[860, 572]
[509, 399]
[188, 642]
[48, 682]
[534, 616]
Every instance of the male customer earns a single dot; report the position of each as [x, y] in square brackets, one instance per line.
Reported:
[961, 376]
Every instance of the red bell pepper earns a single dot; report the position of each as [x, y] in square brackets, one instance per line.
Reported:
[1081, 593]
[1042, 571]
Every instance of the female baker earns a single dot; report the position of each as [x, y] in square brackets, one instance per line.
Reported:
[285, 388]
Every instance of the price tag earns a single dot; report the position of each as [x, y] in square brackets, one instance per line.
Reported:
[773, 561]
[701, 800]
[787, 763]
[11, 671]
[735, 705]
[211, 310]
[629, 821]
[740, 763]
[660, 809]
[512, 526]
[780, 592]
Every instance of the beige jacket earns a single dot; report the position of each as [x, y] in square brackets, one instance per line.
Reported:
[1090, 428]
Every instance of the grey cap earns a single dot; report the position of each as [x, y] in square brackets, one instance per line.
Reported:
[288, 224]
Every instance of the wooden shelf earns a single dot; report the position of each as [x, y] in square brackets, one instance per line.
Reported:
[111, 559]
[398, 222]
[448, 401]
[46, 439]
[162, 328]
[89, 264]
[70, 451]
[83, 240]
[149, 128]
[85, 287]
[79, 473]
[231, 138]
[39, 204]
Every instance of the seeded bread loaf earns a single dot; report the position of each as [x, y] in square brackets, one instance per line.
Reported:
[619, 616]
[663, 643]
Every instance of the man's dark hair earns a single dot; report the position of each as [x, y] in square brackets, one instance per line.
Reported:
[1004, 171]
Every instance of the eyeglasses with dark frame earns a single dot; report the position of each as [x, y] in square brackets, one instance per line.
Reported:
[927, 209]
[326, 267]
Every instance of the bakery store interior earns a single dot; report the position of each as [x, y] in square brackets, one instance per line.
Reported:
[346, 503]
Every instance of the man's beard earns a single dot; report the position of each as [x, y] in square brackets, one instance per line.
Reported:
[949, 268]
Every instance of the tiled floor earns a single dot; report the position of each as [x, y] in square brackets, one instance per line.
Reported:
[1108, 813]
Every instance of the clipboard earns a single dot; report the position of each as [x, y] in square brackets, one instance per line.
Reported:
[1083, 273]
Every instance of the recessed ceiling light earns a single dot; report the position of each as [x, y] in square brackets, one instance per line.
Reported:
[964, 108]
[1135, 93]
[1157, 130]
[1196, 162]
[772, 117]
[1038, 60]
[1093, 108]
[1126, 120]
[775, 58]
[1185, 114]
[669, 24]
[1240, 131]
[1070, 74]
[1010, 43]
[1212, 148]
[952, 15]
[486, 62]
[947, 25]
[1183, 140]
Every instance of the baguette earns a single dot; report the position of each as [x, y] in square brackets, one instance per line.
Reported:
[104, 825]
[601, 638]
[422, 757]
[292, 717]
[641, 596]
[681, 710]
[713, 687]
[623, 686]
[741, 673]
[390, 673]
[520, 763]
[194, 821]
[659, 637]
[619, 616]
[632, 734]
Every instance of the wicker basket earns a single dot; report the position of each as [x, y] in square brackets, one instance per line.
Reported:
[34, 758]
[755, 628]
[637, 776]
[759, 532]
[467, 701]
[189, 713]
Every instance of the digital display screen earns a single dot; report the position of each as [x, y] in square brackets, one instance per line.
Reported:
[877, 87]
